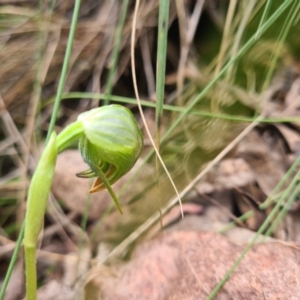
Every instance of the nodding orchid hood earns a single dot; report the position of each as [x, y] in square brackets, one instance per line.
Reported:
[110, 142]
[111, 137]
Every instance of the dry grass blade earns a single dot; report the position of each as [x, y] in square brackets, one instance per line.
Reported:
[140, 106]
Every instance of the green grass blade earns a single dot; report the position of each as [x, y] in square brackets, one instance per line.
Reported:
[263, 18]
[269, 201]
[116, 51]
[282, 37]
[12, 262]
[162, 40]
[262, 229]
[178, 109]
[233, 224]
[286, 206]
[63, 76]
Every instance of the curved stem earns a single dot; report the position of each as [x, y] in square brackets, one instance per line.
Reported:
[69, 135]
[38, 194]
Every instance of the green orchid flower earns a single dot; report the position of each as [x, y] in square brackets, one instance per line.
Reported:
[110, 142]
[110, 145]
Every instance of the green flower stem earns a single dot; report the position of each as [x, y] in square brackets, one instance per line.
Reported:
[30, 270]
[36, 206]
[69, 135]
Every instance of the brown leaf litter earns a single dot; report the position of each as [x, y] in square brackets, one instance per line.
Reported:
[188, 265]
